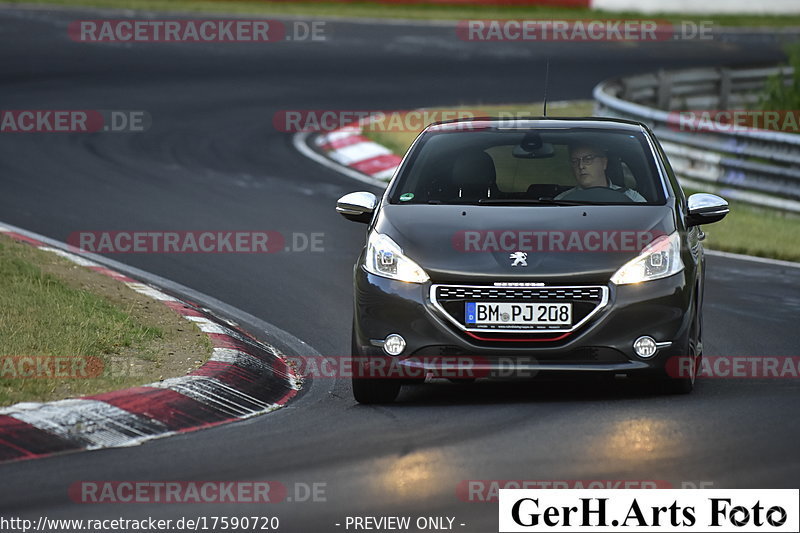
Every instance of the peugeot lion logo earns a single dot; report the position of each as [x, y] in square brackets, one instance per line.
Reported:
[520, 259]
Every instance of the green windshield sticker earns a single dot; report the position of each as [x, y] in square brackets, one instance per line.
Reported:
[407, 196]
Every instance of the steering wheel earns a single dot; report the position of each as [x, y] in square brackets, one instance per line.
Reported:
[598, 194]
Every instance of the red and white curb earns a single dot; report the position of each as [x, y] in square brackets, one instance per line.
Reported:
[244, 377]
[349, 148]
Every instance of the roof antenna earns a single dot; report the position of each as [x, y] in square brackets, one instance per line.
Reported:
[546, 82]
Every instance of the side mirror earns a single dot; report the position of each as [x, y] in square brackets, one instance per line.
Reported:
[357, 206]
[706, 208]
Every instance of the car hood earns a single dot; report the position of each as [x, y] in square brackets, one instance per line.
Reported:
[575, 244]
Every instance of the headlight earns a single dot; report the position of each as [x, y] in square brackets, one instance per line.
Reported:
[385, 258]
[659, 259]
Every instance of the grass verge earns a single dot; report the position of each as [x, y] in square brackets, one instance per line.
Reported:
[756, 231]
[66, 331]
[746, 230]
[357, 9]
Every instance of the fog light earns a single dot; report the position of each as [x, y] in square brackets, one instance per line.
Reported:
[394, 344]
[645, 347]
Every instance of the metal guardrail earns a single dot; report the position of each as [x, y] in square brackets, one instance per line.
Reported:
[759, 167]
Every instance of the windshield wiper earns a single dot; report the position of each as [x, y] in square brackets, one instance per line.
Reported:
[530, 201]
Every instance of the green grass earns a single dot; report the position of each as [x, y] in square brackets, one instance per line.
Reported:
[41, 314]
[755, 231]
[45, 316]
[405, 11]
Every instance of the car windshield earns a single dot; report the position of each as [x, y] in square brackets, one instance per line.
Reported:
[570, 166]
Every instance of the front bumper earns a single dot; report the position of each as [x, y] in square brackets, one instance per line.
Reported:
[661, 309]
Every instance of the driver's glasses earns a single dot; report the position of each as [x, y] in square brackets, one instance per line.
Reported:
[586, 160]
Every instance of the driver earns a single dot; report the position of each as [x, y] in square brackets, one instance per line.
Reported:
[589, 166]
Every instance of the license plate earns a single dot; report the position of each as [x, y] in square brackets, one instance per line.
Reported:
[518, 314]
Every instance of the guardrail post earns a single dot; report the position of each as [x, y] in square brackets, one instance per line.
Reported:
[626, 89]
[664, 90]
[724, 88]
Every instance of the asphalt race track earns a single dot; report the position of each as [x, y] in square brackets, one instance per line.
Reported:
[212, 160]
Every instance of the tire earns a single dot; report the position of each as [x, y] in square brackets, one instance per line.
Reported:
[375, 391]
[675, 386]
[372, 391]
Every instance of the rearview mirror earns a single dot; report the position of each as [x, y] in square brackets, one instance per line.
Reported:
[532, 147]
[357, 206]
[704, 208]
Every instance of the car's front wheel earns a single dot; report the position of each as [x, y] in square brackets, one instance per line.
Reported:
[672, 385]
[370, 390]
[685, 384]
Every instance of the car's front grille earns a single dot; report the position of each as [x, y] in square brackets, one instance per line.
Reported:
[544, 294]
[586, 301]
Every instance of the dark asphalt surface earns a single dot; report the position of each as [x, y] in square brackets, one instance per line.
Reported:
[212, 160]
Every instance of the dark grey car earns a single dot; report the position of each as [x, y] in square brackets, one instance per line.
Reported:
[506, 247]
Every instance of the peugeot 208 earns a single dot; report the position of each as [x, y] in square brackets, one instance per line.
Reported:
[505, 247]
